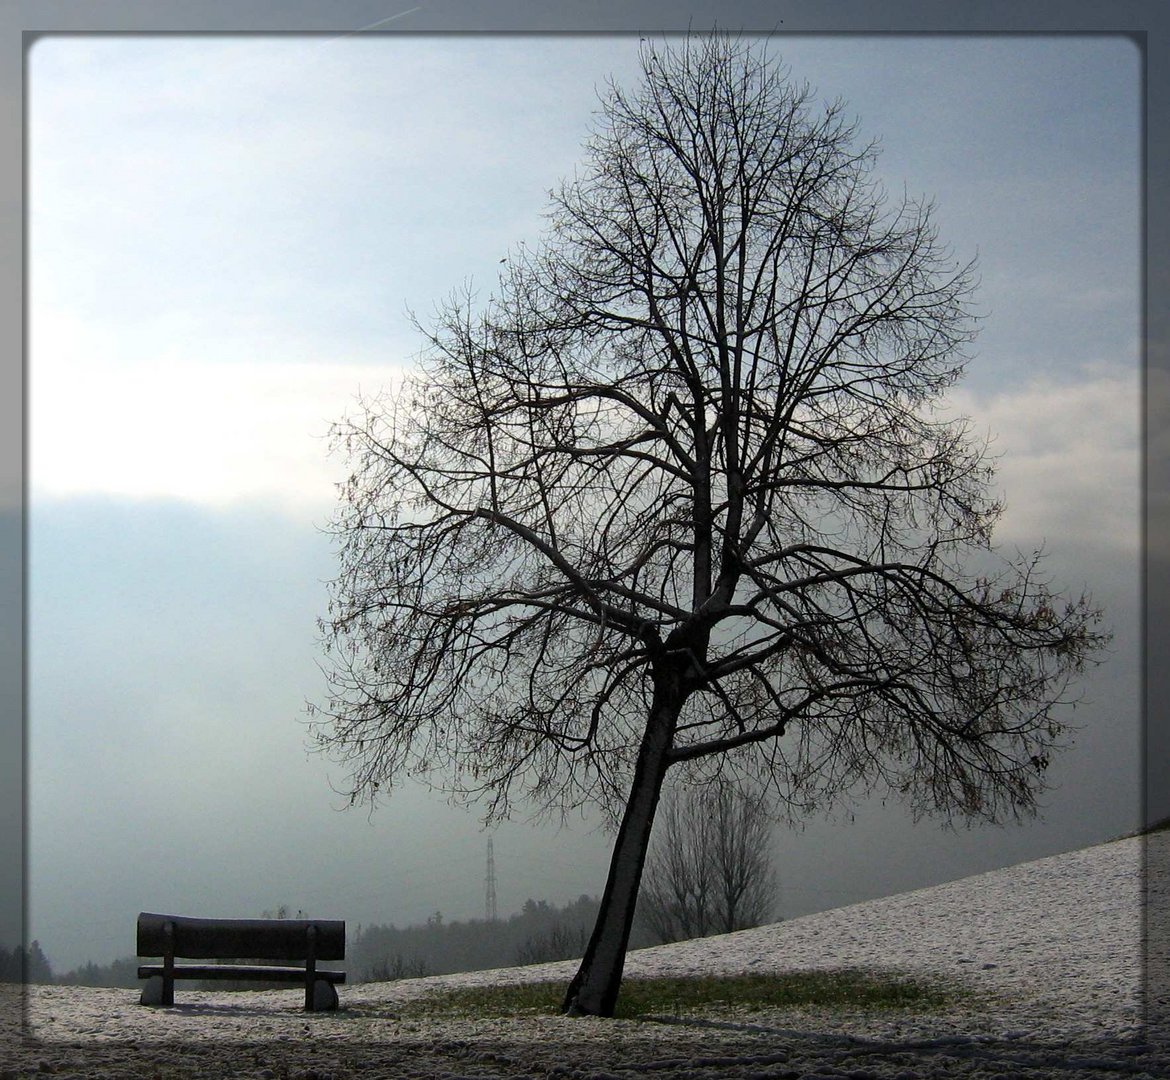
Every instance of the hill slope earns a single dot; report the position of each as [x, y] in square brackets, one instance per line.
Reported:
[1053, 949]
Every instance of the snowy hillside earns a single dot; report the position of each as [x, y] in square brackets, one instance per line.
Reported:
[1052, 948]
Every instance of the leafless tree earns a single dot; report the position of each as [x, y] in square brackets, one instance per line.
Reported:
[709, 866]
[559, 942]
[680, 496]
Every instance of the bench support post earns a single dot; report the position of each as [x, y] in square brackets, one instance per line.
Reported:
[310, 966]
[168, 992]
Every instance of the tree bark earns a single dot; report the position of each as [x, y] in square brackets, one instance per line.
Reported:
[594, 989]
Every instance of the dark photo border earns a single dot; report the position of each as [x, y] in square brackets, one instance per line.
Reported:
[21, 21]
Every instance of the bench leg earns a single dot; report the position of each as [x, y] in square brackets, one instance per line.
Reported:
[168, 990]
[324, 998]
[152, 992]
[159, 990]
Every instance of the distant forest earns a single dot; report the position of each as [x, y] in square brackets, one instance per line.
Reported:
[539, 932]
[21, 965]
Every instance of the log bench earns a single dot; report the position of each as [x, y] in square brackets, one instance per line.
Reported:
[304, 940]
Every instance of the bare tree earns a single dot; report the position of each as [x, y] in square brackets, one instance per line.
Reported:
[559, 942]
[679, 496]
[709, 868]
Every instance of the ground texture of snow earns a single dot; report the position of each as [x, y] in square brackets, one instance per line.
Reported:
[1053, 950]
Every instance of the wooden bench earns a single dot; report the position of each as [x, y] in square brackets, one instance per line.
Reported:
[306, 940]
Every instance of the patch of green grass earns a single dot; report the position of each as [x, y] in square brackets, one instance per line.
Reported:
[706, 996]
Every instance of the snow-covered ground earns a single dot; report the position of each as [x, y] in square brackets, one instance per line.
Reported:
[1052, 948]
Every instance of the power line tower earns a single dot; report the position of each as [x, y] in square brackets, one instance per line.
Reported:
[490, 883]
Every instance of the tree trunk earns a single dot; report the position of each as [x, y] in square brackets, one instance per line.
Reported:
[594, 988]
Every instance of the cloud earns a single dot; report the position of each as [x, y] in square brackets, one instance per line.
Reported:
[170, 423]
[1069, 460]
[225, 235]
[174, 425]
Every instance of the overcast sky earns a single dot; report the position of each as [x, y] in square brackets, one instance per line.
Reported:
[225, 237]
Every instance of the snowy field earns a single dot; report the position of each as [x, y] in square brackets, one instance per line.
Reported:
[1051, 948]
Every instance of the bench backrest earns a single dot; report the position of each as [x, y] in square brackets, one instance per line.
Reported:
[261, 939]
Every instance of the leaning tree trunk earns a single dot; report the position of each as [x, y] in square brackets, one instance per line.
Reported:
[594, 988]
